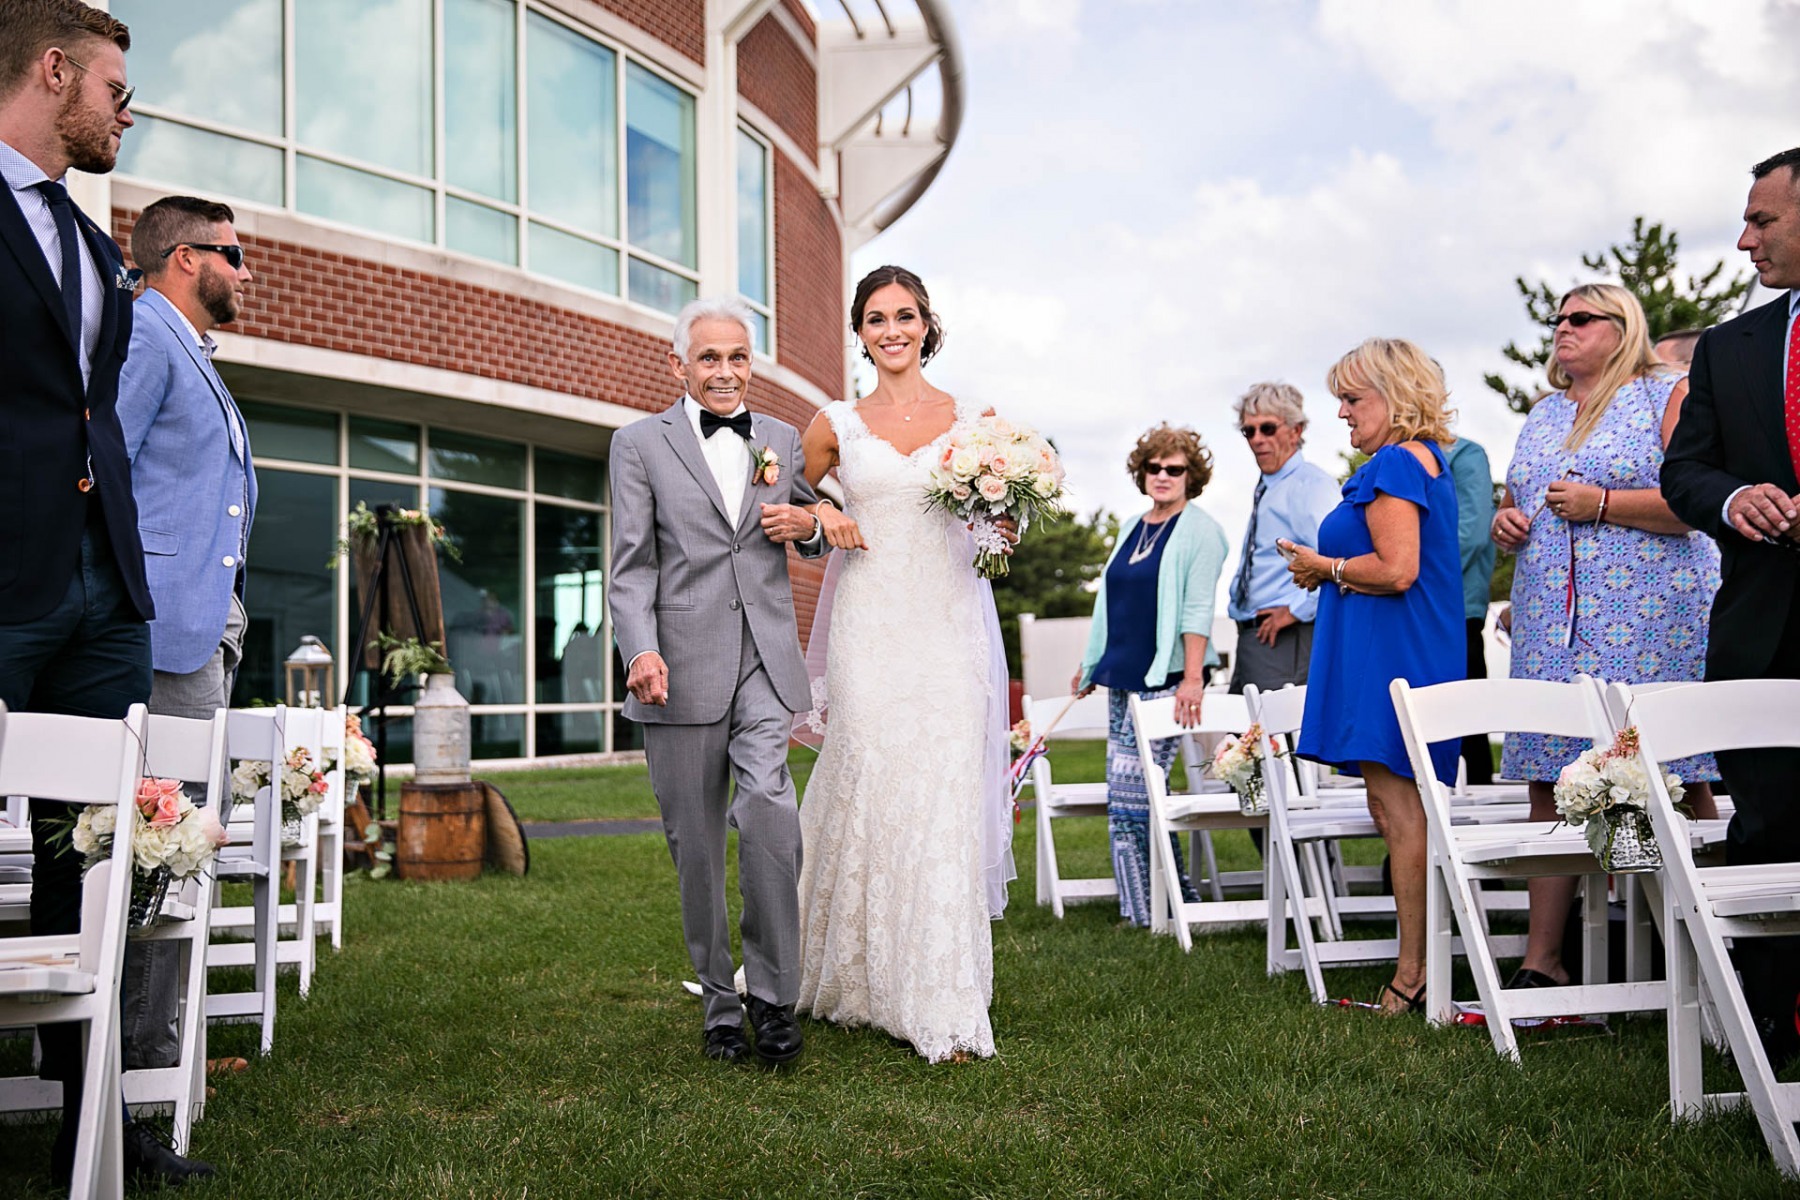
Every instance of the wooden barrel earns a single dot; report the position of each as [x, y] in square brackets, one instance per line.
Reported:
[443, 831]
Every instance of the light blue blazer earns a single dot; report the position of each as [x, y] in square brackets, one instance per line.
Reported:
[196, 496]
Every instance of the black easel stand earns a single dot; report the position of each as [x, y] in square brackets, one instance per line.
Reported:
[388, 550]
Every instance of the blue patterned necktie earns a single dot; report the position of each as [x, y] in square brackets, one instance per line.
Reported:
[1240, 590]
[62, 211]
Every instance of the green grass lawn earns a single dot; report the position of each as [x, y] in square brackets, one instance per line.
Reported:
[529, 1038]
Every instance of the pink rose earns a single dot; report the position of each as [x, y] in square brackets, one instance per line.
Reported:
[1000, 464]
[992, 490]
[159, 800]
[771, 474]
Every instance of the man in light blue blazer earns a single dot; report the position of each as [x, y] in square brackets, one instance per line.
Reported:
[196, 494]
[190, 451]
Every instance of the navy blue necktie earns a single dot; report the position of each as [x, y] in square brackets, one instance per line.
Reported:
[1240, 591]
[62, 211]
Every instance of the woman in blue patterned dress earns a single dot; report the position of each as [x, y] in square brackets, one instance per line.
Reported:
[1389, 570]
[1608, 583]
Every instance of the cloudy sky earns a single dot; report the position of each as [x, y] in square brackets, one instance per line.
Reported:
[1154, 203]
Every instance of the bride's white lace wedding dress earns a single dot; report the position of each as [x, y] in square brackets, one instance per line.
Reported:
[895, 899]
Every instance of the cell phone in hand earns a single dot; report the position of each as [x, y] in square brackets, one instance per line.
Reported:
[1287, 550]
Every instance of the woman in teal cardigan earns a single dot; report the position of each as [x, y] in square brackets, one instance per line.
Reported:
[1152, 622]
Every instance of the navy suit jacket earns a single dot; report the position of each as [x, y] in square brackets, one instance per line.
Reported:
[1731, 433]
[196, 496]
[51, 427]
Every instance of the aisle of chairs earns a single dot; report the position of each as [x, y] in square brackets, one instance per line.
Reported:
[1482, 848]
[85, 761]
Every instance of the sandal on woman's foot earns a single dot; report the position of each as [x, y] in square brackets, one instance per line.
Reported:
[1525, 977]
[1414, 1003]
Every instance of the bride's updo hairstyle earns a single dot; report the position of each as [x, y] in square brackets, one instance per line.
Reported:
[879, 278]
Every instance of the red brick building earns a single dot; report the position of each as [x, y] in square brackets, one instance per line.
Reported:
[470, 223]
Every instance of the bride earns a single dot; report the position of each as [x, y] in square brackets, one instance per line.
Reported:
[906, 820]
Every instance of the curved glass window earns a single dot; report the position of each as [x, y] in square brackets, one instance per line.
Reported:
[362, 81]
[500, 129]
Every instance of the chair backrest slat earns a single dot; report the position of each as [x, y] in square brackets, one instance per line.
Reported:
[73, 759]
[1739, 714]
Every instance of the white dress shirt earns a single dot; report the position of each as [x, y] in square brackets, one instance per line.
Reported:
[727, 456]
[22, 177]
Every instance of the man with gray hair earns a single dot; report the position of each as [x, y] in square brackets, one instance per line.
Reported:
[706, 499]
[1274, 617]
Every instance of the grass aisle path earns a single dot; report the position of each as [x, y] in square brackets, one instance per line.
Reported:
[528, 1038]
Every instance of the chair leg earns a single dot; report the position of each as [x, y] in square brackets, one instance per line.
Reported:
[1687, 1090]
[1439, 1007]
[1596, 932]
[267, 907]
[306, 879]
[1215, 887]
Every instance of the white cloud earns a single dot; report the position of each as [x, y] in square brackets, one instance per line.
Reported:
[1103, 268]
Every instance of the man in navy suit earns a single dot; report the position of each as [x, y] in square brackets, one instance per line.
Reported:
[1733, 470]
[74, 605]
[196, 493]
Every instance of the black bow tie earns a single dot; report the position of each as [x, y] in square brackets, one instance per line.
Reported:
[711, 422]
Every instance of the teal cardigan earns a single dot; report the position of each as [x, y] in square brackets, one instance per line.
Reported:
[1187, 581]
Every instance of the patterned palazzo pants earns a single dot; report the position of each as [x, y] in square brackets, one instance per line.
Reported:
[1128, 808]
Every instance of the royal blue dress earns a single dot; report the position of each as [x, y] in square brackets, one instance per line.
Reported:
[1362, 643]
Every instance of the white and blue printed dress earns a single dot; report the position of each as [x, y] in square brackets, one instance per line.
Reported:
[1641, 600]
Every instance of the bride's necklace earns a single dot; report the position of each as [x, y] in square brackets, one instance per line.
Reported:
[1144, 549]
[914, 409]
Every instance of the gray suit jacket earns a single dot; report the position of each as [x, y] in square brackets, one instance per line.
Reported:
[689, 578]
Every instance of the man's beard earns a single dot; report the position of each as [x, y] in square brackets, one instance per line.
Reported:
[218, 296]
[86, 135]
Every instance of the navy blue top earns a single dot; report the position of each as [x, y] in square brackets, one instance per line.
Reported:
[1362, 643]
[1131, 615]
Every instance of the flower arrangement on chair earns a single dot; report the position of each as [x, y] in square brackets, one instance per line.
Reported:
[303, 788]
[176, 842]
[1238, 765]
[1605, 792]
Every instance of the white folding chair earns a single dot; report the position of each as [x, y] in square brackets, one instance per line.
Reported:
[328, 910]
[1302, 824]
[253, 856]
[75, 977]
[194, 752]
[1184, 812]
[301, 728]
[1461, 855]
[1085, 718]
[1705, 906]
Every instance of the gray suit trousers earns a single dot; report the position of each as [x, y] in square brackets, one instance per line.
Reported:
[691, 770]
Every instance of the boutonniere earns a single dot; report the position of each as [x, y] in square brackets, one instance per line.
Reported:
[768, 466]
[127, 280]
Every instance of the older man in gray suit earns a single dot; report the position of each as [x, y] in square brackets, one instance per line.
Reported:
[706, 498]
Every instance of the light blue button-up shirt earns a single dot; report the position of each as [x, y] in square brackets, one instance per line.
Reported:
[1296, 497]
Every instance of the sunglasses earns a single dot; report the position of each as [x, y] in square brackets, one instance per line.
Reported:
[119, 90]
[1172, 470]
[233, 254]
[1267, 429]
[1580, 320]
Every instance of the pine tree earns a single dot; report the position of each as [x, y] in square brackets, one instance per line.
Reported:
[1647, 266]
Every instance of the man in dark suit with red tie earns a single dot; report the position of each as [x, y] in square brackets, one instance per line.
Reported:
[73, 600]
[1733, 470]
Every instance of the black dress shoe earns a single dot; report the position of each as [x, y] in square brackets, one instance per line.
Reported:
[149, 1160]
[778, 1037]
[726, 1043]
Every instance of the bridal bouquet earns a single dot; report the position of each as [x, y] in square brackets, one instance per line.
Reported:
[1605, 793]
[994, 468]
[303, 785]
[1238, 764]
[175, 842]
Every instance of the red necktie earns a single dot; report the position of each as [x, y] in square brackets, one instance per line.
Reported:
[1791, 394]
